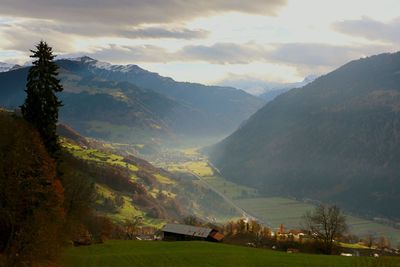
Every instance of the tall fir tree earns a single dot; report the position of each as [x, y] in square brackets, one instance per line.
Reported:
[41, 104]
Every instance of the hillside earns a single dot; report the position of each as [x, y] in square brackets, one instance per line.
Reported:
[129, 186]
[129, 104]
[31, 195]
[335, 140]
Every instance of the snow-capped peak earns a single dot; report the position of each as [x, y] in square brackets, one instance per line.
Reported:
[83, 59]
[108, 66]
[4, 67]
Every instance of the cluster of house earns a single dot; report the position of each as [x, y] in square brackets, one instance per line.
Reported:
[291, 235]
[181, 232]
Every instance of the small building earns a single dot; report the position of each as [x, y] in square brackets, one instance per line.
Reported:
[181, 232]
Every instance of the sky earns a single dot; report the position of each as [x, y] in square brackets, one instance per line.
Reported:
[208, 41]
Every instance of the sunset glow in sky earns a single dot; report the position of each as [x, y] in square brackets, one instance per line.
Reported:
[205, 41]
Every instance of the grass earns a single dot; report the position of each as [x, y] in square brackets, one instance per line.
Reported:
[271, 210]
[97, 156]
[165, 254]
[127, 210]
[276, 210]
[198, 167]
[228, 188]
[354, 246]
[162, 179]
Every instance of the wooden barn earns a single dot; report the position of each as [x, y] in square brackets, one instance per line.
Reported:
[181, 232]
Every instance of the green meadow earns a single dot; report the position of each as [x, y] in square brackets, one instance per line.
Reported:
[194, 253]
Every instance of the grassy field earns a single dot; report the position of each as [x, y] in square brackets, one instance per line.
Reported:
[271, 210]
[231, 190]
[278, 210]
[197, 167]
[176, 254]
[97, 156]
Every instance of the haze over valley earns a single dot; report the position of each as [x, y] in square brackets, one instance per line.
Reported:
[147, 133]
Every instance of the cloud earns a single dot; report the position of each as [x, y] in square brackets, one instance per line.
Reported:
[371, 29]
[133, 12]
[159, 32]
[40, 27]
[306, 54]
[22, 38]
[224, 53]
[316, 54]
[128, 54]
[302, 55]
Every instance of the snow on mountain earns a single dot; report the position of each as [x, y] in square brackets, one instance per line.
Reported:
[4, 67]
[108, 66]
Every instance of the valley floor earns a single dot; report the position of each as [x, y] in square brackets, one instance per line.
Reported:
[193, 253]
[271, 211]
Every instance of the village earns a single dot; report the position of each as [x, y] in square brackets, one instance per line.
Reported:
[250, 233]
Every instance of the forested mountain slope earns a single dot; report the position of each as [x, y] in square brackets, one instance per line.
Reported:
[336, 139]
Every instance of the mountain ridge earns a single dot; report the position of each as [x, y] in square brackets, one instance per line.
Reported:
[326, 140]
[183, 110]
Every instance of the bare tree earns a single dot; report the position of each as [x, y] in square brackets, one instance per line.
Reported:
[191, 220]
[325, 224]
[369, 240]
[132, 225]
[383, 242]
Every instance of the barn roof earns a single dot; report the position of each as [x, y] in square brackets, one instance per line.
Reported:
[187, 230]
[217, 236]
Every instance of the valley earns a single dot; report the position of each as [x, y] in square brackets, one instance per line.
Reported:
[270, 211]
[207, 133]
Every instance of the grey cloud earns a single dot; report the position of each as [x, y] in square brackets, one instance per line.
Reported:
[371, 29]
[302, 55]
[132, 12]
[317, 54]
[23, 38]
[158, 32]
[310, 54]
[224, 53]
[98, 30]
[127, 54]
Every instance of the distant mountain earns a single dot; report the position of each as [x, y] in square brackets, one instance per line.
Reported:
[264, 89]
[6, 66]
[224, 107]
[101, 101]
[272, 93]
[336, 139]
[98, 108]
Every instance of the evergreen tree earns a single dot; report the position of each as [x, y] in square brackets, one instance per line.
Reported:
[41, 105]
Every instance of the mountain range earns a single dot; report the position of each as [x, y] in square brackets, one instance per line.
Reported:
[336, 139]
[264, 89]
[4, 67]
[126, 103]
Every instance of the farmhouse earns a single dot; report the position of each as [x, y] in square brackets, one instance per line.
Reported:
[181, 232]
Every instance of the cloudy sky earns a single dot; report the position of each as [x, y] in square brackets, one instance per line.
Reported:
[206, 41]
